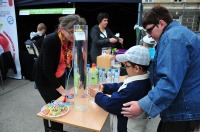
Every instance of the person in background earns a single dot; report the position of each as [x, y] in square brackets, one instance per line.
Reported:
[150, 43]
[39, 35]
[134, 87]
[102, 36]
[55, 57]
[176, 75]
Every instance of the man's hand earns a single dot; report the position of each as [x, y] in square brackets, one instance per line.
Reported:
[131, 109]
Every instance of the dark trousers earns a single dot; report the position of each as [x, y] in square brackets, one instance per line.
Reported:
[49, 94]
[179, 126]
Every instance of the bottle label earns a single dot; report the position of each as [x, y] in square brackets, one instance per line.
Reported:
[109, 77]
[94, 79]
[93, 76]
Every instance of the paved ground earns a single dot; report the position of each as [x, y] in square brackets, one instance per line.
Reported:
[20, 102]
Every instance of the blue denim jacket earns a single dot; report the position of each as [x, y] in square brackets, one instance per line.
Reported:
[176, 69]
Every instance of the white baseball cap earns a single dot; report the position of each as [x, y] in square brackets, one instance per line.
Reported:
[137, 54]
[148, 40]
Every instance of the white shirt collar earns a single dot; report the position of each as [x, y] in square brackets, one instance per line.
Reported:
[133, 78]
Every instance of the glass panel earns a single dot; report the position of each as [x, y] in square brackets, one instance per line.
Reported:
[80, 63]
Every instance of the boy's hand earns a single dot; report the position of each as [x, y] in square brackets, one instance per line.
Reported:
[94, 89]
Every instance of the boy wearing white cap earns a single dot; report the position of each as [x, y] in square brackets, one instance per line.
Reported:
[150, 43]
[134, 87]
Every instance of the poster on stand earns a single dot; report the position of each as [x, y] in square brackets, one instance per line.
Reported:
[8, 34]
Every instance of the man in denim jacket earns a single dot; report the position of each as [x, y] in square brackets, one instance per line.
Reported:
[176, 69]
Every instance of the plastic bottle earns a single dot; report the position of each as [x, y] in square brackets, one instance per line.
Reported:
[116, 77]
[113, 75]
[104, 76]
[109, 76]
[98, 69]
[112, 79]
[100, 76]
[93, 74]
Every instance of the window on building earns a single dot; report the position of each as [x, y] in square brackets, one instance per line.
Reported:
[177, 0]
[148, 0]
[178, 18]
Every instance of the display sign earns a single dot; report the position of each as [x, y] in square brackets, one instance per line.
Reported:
[47, 11]
[8, 34]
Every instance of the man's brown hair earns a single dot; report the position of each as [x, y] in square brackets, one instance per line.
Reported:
[155, 14]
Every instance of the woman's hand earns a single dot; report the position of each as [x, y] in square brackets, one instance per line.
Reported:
[62, 91]
[121, 40]
[113, 40]
[131, 109]
[70, 92]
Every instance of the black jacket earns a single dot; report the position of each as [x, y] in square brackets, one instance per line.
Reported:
[6, 63]
[47, 63]
[99, 40]
[38, 41]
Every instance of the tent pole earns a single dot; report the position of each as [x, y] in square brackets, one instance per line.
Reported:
[138, 23]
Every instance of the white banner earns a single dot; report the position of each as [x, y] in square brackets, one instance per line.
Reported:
[8, 34]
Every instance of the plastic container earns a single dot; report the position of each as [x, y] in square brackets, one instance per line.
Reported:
[116, 76]
[93, 74]
[102, 76]
[80, 63]
[109, 76]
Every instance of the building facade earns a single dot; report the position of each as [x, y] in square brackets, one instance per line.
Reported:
[187, 12]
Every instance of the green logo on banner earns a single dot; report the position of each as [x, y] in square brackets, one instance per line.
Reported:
[47, 11]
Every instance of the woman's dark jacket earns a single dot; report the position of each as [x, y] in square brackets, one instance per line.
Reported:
[47, 63]
[99, 40]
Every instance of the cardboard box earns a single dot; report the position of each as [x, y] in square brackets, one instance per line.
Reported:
[105, 61]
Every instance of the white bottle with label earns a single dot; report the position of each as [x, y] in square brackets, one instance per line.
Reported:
[109, 76]
[100, 76]
[116, 77]
[104, 76]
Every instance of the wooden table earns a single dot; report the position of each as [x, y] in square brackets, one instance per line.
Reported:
[92, 118]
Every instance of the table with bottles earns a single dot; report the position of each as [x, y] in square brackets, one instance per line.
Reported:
[86, 119]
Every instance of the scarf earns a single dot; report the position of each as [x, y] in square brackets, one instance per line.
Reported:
[66, 47]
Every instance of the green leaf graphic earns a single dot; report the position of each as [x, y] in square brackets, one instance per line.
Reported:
[1, 25]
